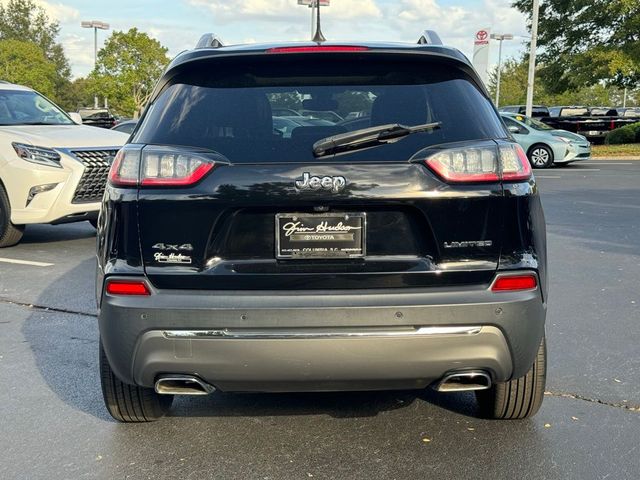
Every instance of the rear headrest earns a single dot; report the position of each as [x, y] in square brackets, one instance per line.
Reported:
[229, 114]
[404, 105]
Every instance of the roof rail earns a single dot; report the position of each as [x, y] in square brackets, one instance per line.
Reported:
[429, 37]
[209, 40]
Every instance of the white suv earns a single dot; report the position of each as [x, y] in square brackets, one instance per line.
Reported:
[52, 170]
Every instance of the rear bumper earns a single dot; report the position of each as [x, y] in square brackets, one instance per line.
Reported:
[306, 341]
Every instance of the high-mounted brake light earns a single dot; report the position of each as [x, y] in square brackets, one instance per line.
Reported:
[127, 287]
[512, 283]
[318, 48]
[158, 166]
[482, 163]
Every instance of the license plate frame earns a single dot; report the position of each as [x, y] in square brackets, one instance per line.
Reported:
[324, 243]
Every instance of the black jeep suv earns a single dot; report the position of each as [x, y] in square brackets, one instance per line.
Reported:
[401, 251]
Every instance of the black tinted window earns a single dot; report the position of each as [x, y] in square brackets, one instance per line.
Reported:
[239, 113]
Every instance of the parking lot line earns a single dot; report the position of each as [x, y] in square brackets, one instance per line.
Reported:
[583, 170]
[25, 262]
[610, 163]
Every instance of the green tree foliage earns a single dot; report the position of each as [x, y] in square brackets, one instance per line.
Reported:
[24, 21]
[513, 89]
[78, 94]
[584, 42]
[128, 67]
[24, 63]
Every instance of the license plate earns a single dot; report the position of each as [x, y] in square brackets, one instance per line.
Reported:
[321, 235]
[594, 133]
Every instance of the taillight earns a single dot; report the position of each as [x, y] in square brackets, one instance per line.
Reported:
[125, 167]
[318, 49]
[512, 283]
[514, 163]
[158, 166]
[482, 163]
[127, 287]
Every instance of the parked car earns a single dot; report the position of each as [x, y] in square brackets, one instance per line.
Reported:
[285, 112]
[126, 126]
[52, 170]
[546, 146]
[97, 117]
[629, 112]
[327, 115]
[536, 111]
[407, 254]
[592, 122]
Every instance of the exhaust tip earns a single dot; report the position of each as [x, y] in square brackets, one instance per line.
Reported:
[182, 385]
[464, 381]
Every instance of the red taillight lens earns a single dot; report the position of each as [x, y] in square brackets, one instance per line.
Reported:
[127, 287]
[156, 166]
[318, 48]
[124, 169]
[483, 163]
[462, 165]
[510, 283]
[171, 169]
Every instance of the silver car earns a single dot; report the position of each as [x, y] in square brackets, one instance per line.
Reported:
[546, 146]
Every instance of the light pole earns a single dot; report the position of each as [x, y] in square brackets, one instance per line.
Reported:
[500, 37]
[96, 25]
[532, 56]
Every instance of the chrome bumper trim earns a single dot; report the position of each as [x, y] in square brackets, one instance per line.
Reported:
[304, 333]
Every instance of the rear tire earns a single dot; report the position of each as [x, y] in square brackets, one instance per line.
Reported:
[518, 398]
[10, 234]
[540, 156]
[130, 403]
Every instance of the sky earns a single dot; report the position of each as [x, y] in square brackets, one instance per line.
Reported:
[178, 24]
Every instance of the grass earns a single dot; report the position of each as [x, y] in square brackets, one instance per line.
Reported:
[613, 151]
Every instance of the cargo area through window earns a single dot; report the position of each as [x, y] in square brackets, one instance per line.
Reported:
[275, 111]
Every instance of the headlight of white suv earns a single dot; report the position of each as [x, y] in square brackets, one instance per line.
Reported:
[39, 155]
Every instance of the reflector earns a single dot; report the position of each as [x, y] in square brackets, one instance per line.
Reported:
[515, 283]
[127, 287]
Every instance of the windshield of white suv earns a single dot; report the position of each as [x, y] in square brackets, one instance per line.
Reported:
[19, 107]
[237, 110]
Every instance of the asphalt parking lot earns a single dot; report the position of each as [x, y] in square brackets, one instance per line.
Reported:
[53, 424]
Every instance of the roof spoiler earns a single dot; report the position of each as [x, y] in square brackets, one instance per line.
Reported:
[429, 37]
[209, 40]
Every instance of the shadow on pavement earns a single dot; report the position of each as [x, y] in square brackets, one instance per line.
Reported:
[57, 233]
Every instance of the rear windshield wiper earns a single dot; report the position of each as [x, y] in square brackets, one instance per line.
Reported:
[368, 137]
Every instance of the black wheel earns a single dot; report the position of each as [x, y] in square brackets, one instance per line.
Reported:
[540, 156]
[10, 234]
[130, 403]
[94, 223]
[520, 397]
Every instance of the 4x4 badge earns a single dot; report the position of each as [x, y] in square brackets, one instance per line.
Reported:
[333, 184]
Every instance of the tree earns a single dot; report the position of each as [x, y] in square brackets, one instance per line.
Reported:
[513, 89]
[588, 41]
[128, 66]
[25, 21]
[25, 63]
[78, 94]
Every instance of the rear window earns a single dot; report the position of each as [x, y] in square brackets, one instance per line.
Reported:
[274, 109]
